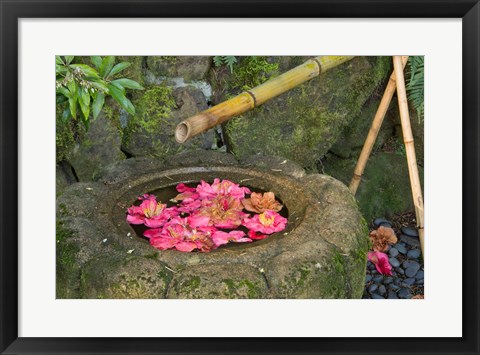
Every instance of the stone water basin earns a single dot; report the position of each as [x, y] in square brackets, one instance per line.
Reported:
[321, 253]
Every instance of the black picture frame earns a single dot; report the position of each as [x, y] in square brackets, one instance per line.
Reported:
[12, 11]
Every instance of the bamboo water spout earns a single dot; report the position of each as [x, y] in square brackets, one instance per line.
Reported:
[255, 97]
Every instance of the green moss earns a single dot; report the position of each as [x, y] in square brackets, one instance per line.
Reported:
[236, 288]
[68, 272]
[252, 71]
[153, 108]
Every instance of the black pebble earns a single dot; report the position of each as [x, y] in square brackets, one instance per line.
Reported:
[400, 270]
[368, 278]
[394, 262]
[393, 252]
[401, 248]
[377, 297]
[420, 275]
[372, 288]
[393, 287]
[413, 254]
[413, 242]
[411, 232]
[408, 282]
[388, 280]
[419, 282]
[378, 222]
[378, 278]
[404, 293]
[382, 290]
[392, 295]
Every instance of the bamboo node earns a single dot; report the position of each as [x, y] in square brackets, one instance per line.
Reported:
[319, 65]
[408, 141]
[253, 97]
[357, 176]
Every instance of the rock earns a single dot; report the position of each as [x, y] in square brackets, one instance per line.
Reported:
[376, 296]
[378, 278]
[151, 132]
[232, 281]
[201, 158]
[378, 221]
[409, 231]
[276, 165]
[404, 293]
[292, 127]
[401, 249]
[393, 287]
[392, 295]
[411, 271]
[413, 242]
[388, 280]
[99, 147]
[382, 170]
[393, 252]
[419, 275]
[400, 270]
[63, 177]
[190, 68]
[408, 282]
[419, 282]
[413, 254]
[353, 136]
[394, 262]
[368, 278]
[407, 263]
[372, 288]
[382, 290]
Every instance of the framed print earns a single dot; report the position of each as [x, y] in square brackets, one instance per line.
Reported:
[238, 177]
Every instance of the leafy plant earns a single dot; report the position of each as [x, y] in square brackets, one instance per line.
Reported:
[229, 61]
[415, 84]
[84, 87]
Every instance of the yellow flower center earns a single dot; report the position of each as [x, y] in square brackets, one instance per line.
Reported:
[266, 221]
[153, 209]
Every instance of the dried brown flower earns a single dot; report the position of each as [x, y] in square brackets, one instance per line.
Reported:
[381, 237]
[418, 297]
[259, 202]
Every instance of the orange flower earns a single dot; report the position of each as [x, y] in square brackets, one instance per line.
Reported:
[382, 237]
[259, 203]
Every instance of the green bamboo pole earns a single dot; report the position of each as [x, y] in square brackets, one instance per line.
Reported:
[256, 96]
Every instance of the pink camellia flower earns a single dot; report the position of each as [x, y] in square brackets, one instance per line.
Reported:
[267, 222]
[381, 262]
[187, 194]
[220, 238]
[223, 211]
[151, 213]
[147, 197]
[178, 234]
[224, 188]
[189, 205]
[255, 236]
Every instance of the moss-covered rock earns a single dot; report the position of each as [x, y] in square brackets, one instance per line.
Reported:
[304, 123]
[385, 186]
[229, 281]
[64, 177]
[99, 147]
[129, 276]
[353, 136]
[136, 70]
[188, 67]
[151, 132]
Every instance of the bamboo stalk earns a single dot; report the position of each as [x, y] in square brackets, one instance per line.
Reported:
[256, 96]
[374, 129]
[409, 146]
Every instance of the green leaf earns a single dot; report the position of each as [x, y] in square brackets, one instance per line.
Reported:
[118, 68]
[117, 85]
[97, 61]
[127, 83]
[62, 90]
[100, 85]
[118, 95]
[98, 104]
[72, 102]
[86, 69]
[60, 99]
[84, 101]
[69, 58]
[59, 60]
[60, 69]
[72, 87]
[106, 66]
